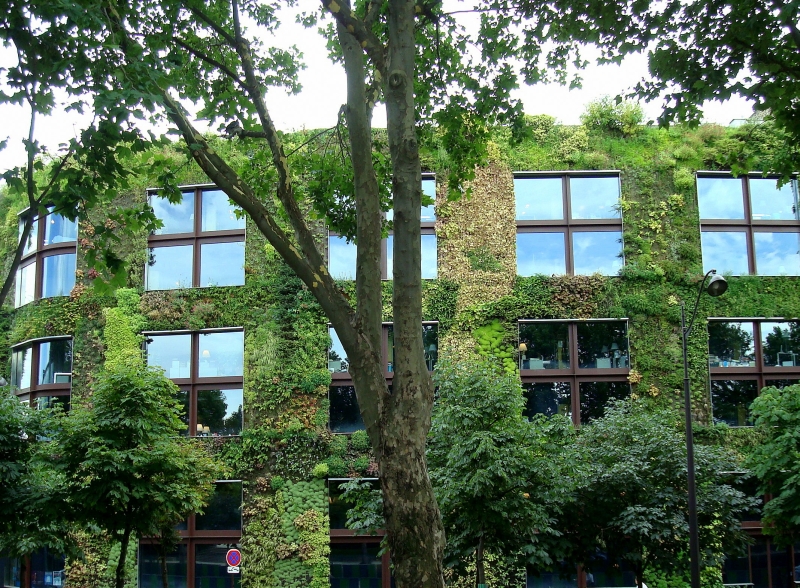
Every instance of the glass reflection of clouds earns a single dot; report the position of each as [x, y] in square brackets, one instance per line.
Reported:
[429, 256]
[541, 253]
[219, 214]
[169, 268]
[337, 356]
[222, 264]
[597, 252]
[177, 218]
[221, 354]
[594, 197]
[772, 203]
[428, 214]
[172, 353]
[720, 198]
[777, 254]
[539, 198]
[725, 251]
[341, 258]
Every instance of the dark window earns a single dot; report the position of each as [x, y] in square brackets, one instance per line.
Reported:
[209, 368]
[41, 371]
[356, 564]
[764, 565]
[224, 510]
[568, 224]
[744, 356]
[749, 225]
[47, 569]
[150, 566]
[48, 263]
[200, 244]
[555, 383]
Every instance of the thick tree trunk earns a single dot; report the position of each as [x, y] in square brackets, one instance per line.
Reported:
[480, 576]
[162, 552]
[123, 554]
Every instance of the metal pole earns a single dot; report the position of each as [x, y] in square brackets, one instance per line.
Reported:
[694, 541]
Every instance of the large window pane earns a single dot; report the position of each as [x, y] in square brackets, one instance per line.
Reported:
[597, 252]
[731, 400]
[345, 415]
[221, 354]
[594, 197]
[10, 572]
[609, 574]
[59, 229]
[47, 569]
[548, 579]
[21, 368]
[355, 564]
[429, 257]
[595, 396]
[26, 284]
[43, 402]
[55, 358]
[337, 357]
[777, 254]
[548, 398]
[219, 214]
[219, 412]
[182, 396]
[211, 569]
[33, 236]
[430, 344]
[224, 510]
[768, 202]
[169, 268]
[544, 346]
[730, 344]
[177, 218]
[539, 198]
[541, 253]
[222, 264]
[150, 567]
[720, 198]
[58, 275]
[780, 343]
[602, 345]
[428, 214]
[341, 258]
[725, 251]
[172, 353]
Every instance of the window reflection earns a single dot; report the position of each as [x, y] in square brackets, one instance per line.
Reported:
[428, 256]
[430, 341]
[337, 357]
[602, 345]
[49, 402]
[769, 202]
[341, 258]
[725, 251]
[731, 400]
[21, 368]
[597, 252]
[777, 254]
[169, 268]
[172, 353]
[219, 214]
[780, 343]
[355, 564]
[539, 198]
[222, 264]
[26, 285]
[594, 197]
[720, 198]
[33, 236]
[344, 412]
[541, 253]
[55, 361]
[730, 344]
[224, 510]
[544, 346]
[58, 275]
[221, 354]
[210, 567]
[547, 398]
[59, 229]
[595, 395]
[176, 218]
[150, 575]
[219, 413]
[428, 214]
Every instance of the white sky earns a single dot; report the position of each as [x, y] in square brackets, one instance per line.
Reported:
[324, 91]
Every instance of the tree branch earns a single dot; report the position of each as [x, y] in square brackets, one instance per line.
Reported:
[211, 61]
[366, 38]
[214, 26]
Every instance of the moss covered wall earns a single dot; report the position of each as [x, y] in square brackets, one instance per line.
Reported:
[286, 451]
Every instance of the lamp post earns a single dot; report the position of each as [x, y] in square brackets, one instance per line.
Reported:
[716, 287]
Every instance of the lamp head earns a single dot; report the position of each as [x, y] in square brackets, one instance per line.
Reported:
[716, 286]
[523, 348]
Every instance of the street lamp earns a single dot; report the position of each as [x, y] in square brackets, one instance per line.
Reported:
[716, 287]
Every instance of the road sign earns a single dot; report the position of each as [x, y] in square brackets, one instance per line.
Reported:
[234, 558]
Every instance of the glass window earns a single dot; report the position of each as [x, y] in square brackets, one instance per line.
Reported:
[428, 254]
[47, 569]
[211, 568]
[547, 398]
[222, 264]
[58, 275]
[725, 251]
[59, 229]
[597, 252]
[182, 396]
[594, 197]
[224, 510]
[430, 341]
[730, 344]
[219, 413]
[21, 368]
[537, 579]
[609, 574]
[337, 357]
[428, 214]
[731, 400]
[544, 346]
[595, 395]
[43, 402]
[541, 253]
[777, 254]
[341, 258]
[55, 361]
[345, 414]
[769, 202]
[33, 236]
[720, 198]
[10, 572]
[150, 566]
[355, 564]
[169, 268]
[219, 213]
[176, 218]
[26, 284]
[780, 343]
[221, 354]
[172, 353]
[539, 198]
[602, 345]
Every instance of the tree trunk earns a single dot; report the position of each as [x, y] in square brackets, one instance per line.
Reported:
[123, 554]
[162, 552]
[480, 576]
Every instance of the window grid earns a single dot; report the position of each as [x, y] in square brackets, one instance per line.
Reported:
[34, 391]
[568, 226]
[749, 226]
[195, 239]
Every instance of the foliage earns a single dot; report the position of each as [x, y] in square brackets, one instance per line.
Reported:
[777, 415]
[607, 115]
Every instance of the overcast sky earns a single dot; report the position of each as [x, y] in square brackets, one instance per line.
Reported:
[324, 91]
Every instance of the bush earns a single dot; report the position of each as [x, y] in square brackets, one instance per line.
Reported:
[359, 441]
[606, 114]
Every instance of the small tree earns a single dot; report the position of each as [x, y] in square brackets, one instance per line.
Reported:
[774, 462]
[494, 472]
[128, 470]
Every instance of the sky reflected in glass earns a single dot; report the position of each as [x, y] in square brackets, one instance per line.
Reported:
[222, 264]
[58, 275]
[769, 202]
[177, 218]
[169, 268]
[720, 198]
[597, 252]
[219, 213]
[777, 254]
[341, 258]
[539, 198]
[428, 214]
[725, 252]
[541, 253]
[594, 197]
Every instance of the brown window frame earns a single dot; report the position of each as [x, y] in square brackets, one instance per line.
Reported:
[567, 225]
[574, 375]
[34, 391]
[195, 383]
[197, 238]
[749, 226]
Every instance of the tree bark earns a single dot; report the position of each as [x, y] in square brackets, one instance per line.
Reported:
[480, 577]
[123, 554]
